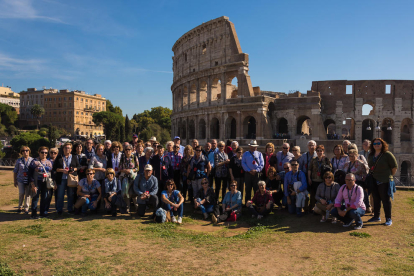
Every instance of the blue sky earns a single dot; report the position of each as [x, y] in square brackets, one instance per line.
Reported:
[122, 49]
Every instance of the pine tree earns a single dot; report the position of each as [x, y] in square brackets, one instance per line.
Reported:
[122, 133]
[128, 128]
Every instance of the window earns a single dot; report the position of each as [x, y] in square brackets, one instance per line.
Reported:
[204, 49]
[77, 98]
[81, 99]
[59, 99]
[64, 98]
[70, 98]
[86, 100]
[388, 89]
[349, 89]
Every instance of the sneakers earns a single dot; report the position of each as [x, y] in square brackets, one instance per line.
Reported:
[388, 222]
[205, 216]
[358, 227]
[348, 224]
[334, 220]
[173, 219]
[323, 219]
[213, 219]
[374, 219]
[259, 217]
[34, 217]
[180, 220]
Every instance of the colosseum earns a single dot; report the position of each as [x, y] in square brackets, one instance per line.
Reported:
[206, 105]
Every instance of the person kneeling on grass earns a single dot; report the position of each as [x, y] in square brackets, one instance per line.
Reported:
[262, 202]
[354, 208]
[325, 197]
[205, 199]
[232, 204]
[89, 192]
[295, 186]
[112, 193]
[146, 187]
[172, 201]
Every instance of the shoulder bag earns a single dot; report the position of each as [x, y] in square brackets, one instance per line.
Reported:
[50, 184]
[370, 180]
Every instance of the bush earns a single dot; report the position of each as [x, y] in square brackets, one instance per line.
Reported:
[33, 140]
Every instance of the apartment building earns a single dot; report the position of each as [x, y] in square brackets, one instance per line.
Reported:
[71, 110]
[7, 96]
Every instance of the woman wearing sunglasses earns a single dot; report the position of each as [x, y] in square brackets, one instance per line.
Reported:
[232, 202]
[172, 201]
[383, 167]
[111, 192]
[89, 192]
[21, 178]
[39, 170]
[206, 200]
[325, 196]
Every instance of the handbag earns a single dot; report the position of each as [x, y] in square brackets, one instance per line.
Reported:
[72, 180]
[50, 184]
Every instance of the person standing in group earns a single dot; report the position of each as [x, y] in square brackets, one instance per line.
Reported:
[146, 159]
[198, 168]
[221, 161]
[128, 168]
[53, 154]
[383, 168]
[134, 141]
[99, 163]
[64, 165]
[107, 149]
[177, 142]
[169, 147]
[115, 157]
[365, 149]
[39, 169]
[210, 154]
[317, 168]
[139, 150]
[161, 166]
[253, 164]
[340, 159]
[307, 157]
[296, 153]
[176, 158]
[89, 150]
[185, 161]
[269, 159]
[283, 156]
[21, 179]
[236, 169]
[345, 145]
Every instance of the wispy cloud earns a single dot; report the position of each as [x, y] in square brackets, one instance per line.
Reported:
[19, 65]
[23, 9]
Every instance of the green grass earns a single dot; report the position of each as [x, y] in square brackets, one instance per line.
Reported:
[5, 270]
[360, 234]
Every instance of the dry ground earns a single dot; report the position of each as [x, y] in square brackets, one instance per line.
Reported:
[278, 245]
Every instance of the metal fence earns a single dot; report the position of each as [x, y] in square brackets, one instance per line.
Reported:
[404, 180]
[7, 162]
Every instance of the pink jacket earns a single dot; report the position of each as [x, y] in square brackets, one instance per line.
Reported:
[356, 195]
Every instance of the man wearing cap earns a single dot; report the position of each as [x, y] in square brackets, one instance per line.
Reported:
[306, 158]
[252, 163]
[146, 187]
[283, 156]
[134, 141]
[177, 141]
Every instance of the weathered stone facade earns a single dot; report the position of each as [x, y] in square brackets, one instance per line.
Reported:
[206, 105]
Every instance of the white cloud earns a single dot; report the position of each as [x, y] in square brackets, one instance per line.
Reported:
[23, 9]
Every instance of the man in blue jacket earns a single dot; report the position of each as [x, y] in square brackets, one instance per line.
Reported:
[252, 163]
[146, 187]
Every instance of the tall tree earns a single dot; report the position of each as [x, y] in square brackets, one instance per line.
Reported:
[128, 128]
[111, 122]
[121, 133]
[114, 109]
[37, 111]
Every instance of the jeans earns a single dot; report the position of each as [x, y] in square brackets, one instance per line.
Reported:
[240, 185]
[196, 186]
[153, 200]
[88, 203]
[292, 206]
[351, 215]
[179, 211]
[24, 195]
[380, 195]
[42, 192]
[218, 182]
[61, 196]
[207, 208]
[250, 182]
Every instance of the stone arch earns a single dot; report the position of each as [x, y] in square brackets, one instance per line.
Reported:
[249, 127]
[271, 114]
[232, 87]
[178, 100]
[185, 96]
[406, 129]
[191, 129]
[193, 94]
[349, 124]
[215, 91]
[368, 129]
[283, 126]
[183, 135]
[387, 127]
[330, 128]
[231, 128]
[368, 109]
[202, 129]
[405, 174]
[214, 128]
[203, 92]
[303, 125]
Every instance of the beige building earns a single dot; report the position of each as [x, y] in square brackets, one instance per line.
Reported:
[71, 110]
[7, 96]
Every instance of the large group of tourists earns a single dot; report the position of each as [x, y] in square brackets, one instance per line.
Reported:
[221, 180]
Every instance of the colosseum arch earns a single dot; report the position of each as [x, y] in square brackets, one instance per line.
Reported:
[231, 87]
[271, 114]
[405, 174]
[203, 93]
[215, 91]
[183, 130]
[368, 129]
[191, 129]
[387, 128]
[214, 128]
[249, 127]
[283, 126]
[349, 125]
[330, 127]
[185, 96]
[202, 129]
[231, 127]
[193, 95]
[368, 109]
[303, 125]
[406, 129]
